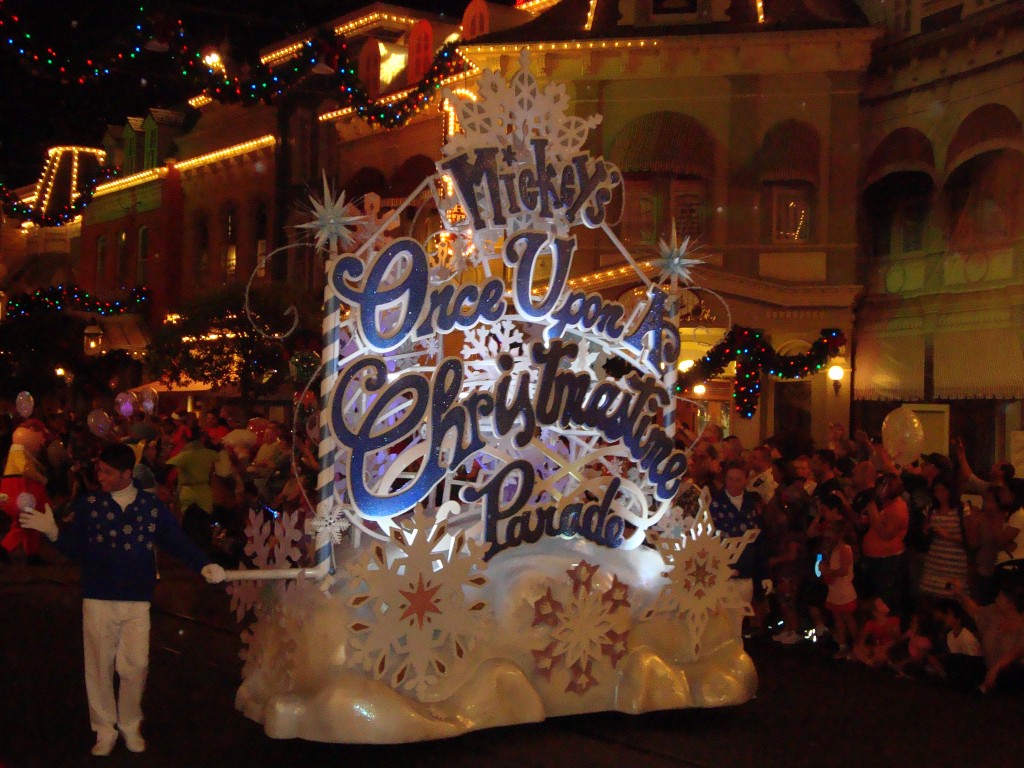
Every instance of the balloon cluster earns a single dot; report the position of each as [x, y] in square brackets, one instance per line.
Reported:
[126, 405]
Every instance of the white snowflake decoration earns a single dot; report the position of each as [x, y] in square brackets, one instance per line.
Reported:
[331, 524]
[334, 220]
[269, 544]
[700, 575]
[508, 114]
[585, 628]
[416, 619]
[483, 344]
[688, 505]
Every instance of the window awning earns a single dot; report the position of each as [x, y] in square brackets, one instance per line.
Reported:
[665, 142]
[982, 364]
[987, 128]
[888, 368]
[905, 149]
[789, 152]
[127, 332]
[410, 175]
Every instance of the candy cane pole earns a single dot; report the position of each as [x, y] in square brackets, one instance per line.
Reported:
[331, 334]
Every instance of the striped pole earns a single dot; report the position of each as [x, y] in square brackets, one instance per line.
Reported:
[331, 332]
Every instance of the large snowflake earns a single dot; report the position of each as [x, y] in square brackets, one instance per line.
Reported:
[700, 575]
[414, 619]
[269, 544]
[585, 626]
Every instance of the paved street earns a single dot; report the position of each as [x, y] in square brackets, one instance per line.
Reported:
[810, 711]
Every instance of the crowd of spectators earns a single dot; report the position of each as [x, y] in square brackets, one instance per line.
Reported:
[918, 569]
[212, 469]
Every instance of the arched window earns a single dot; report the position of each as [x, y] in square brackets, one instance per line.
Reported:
[142, 261]
[476, 20]
[421, 50]
[122, 258]
[788, 165]
[369, 67]
[668, 159]
[101, 261]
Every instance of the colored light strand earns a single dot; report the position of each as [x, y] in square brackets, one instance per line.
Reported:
[753, 357]
[60, 298]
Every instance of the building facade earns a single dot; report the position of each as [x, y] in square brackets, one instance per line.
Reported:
[942, 229]
[835, 167]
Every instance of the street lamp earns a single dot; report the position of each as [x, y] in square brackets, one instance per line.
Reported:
[93, 339]
[835, 375]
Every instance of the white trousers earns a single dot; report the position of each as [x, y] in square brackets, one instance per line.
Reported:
[116, 639]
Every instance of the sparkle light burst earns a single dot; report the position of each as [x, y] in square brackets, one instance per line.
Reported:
[334, 221]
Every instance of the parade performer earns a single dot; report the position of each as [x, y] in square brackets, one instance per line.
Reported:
[23, 474]
[113, 535]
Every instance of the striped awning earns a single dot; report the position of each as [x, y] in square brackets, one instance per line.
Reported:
[789, 152]
[979, 364]
[905, 149]
[665, 142]
[888, 368]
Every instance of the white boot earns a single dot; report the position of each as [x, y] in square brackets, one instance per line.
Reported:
[105, 741]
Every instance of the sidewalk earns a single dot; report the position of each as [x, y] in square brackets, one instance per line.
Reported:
[810, 711]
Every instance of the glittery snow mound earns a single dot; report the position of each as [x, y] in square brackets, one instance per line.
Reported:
[565, 627]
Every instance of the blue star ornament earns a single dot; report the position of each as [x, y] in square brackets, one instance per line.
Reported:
[334, 220]
[674, 264]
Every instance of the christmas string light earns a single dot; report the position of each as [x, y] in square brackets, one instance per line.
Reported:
[26, 209]
[269, 81]
[150, 32]
[60, 298]
[753, 357]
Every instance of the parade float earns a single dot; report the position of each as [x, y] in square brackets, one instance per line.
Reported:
[499, 532]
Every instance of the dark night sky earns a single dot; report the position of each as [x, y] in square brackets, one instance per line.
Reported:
[39, 111]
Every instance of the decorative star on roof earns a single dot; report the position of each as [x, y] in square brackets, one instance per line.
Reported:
[334, 220]
[674, 264]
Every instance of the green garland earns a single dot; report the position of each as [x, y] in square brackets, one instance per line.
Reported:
[59, 298]
[267, 83]
[755, 356]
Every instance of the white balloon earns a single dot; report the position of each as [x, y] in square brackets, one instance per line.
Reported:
[25, 404]
[99, 422]
[903, 435]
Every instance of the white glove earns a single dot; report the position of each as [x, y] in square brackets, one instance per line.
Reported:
[213, 573]
[43, 522]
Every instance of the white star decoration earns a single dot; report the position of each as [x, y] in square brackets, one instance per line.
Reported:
[700, 576]
[334, 220]
[674, 264]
